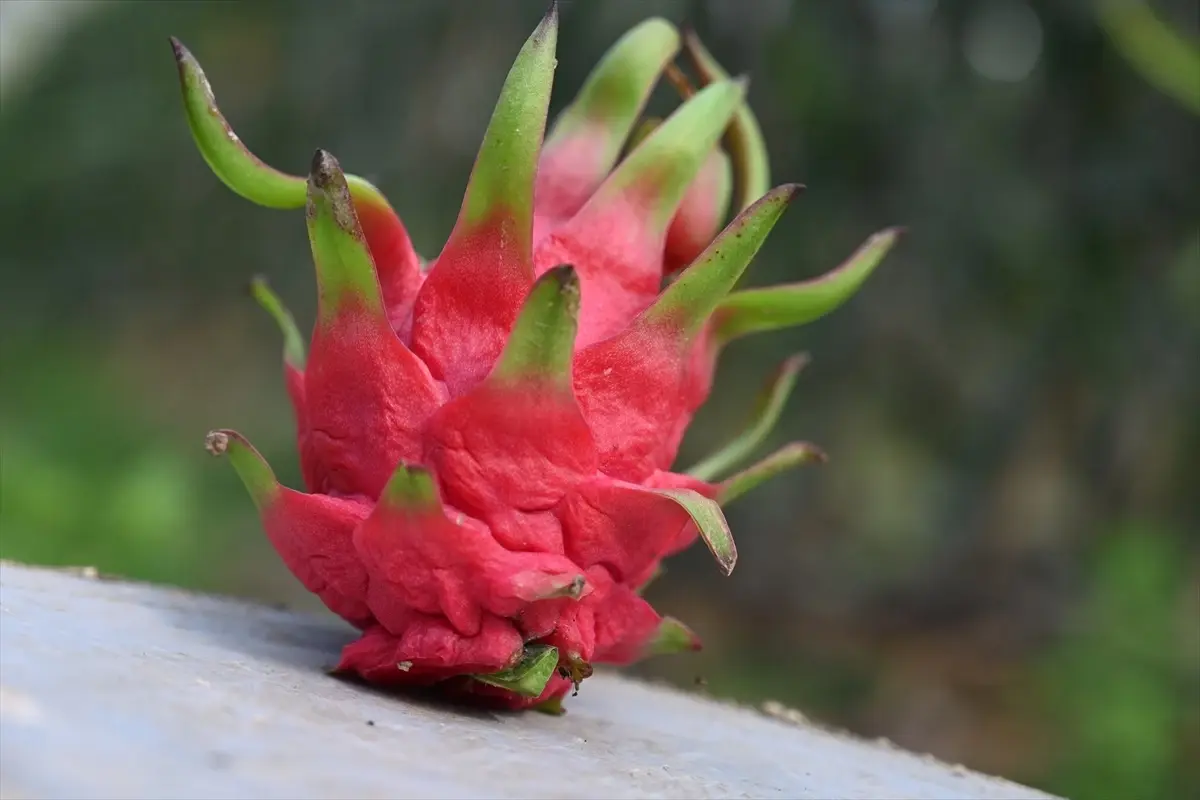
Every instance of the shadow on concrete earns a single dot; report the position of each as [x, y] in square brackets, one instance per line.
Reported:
[301, 641]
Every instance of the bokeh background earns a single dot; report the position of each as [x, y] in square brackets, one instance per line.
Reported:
[1001, 562]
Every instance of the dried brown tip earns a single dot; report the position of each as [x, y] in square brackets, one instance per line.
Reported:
[216, 442]
[325, 169]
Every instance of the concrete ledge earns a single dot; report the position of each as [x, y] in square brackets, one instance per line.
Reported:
[119, 690]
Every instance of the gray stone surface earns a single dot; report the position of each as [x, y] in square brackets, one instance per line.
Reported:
[119, 690]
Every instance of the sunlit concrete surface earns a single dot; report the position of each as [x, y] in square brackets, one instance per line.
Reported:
[119, 690]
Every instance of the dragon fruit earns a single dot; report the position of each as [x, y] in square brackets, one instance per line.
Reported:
[487, 438]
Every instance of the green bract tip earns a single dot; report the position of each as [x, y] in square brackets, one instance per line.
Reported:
[672, 637]
[709, 521]
[293, 342]
[345, 270]
[690, 300]
[411, 489]
[542, 342]
[791, 304]
[787, 457]
[501, 185]
[617, 89]
[657, 173]
[230, 159]
[530, 676]
[250, 466]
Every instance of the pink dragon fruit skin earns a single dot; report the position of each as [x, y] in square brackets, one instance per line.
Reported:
[487, 441]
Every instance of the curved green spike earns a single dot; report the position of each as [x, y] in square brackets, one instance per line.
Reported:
[542, 342]
[657, 173]
[618, 87]
[691, 300]
[752, 166]
[230, 159]
[672, 637]
[501, 183]
[412, 490]
[711, 523]
[251, 467]
[771, 401]
[530, 676]
[791, 304]
[345, 269]
[787, 457]
[293, 342]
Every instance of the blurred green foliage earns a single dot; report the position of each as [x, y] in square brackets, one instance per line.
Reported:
[1001, 563]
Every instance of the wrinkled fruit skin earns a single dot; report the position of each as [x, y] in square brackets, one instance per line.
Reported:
[487, 440]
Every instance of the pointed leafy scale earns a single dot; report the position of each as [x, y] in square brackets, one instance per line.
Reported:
[311, 532]
[752, 167]
[421, 559]
[766, 414]
[411, 490]
[251, 467]
[588, 135]
[518, 439]
[623, 528]
[655, 175]
[467, 305]
[672, 637]
[787, 305]
[501, 183]
[785, 458]
[398, 264]
[710, 522]
[345, 270]
[689, 301]
[542, 342]
[617, 239]
[529, 677]
[293, 360]
[230, 159]
[293, 342]
[619, 86]
[367, 396]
